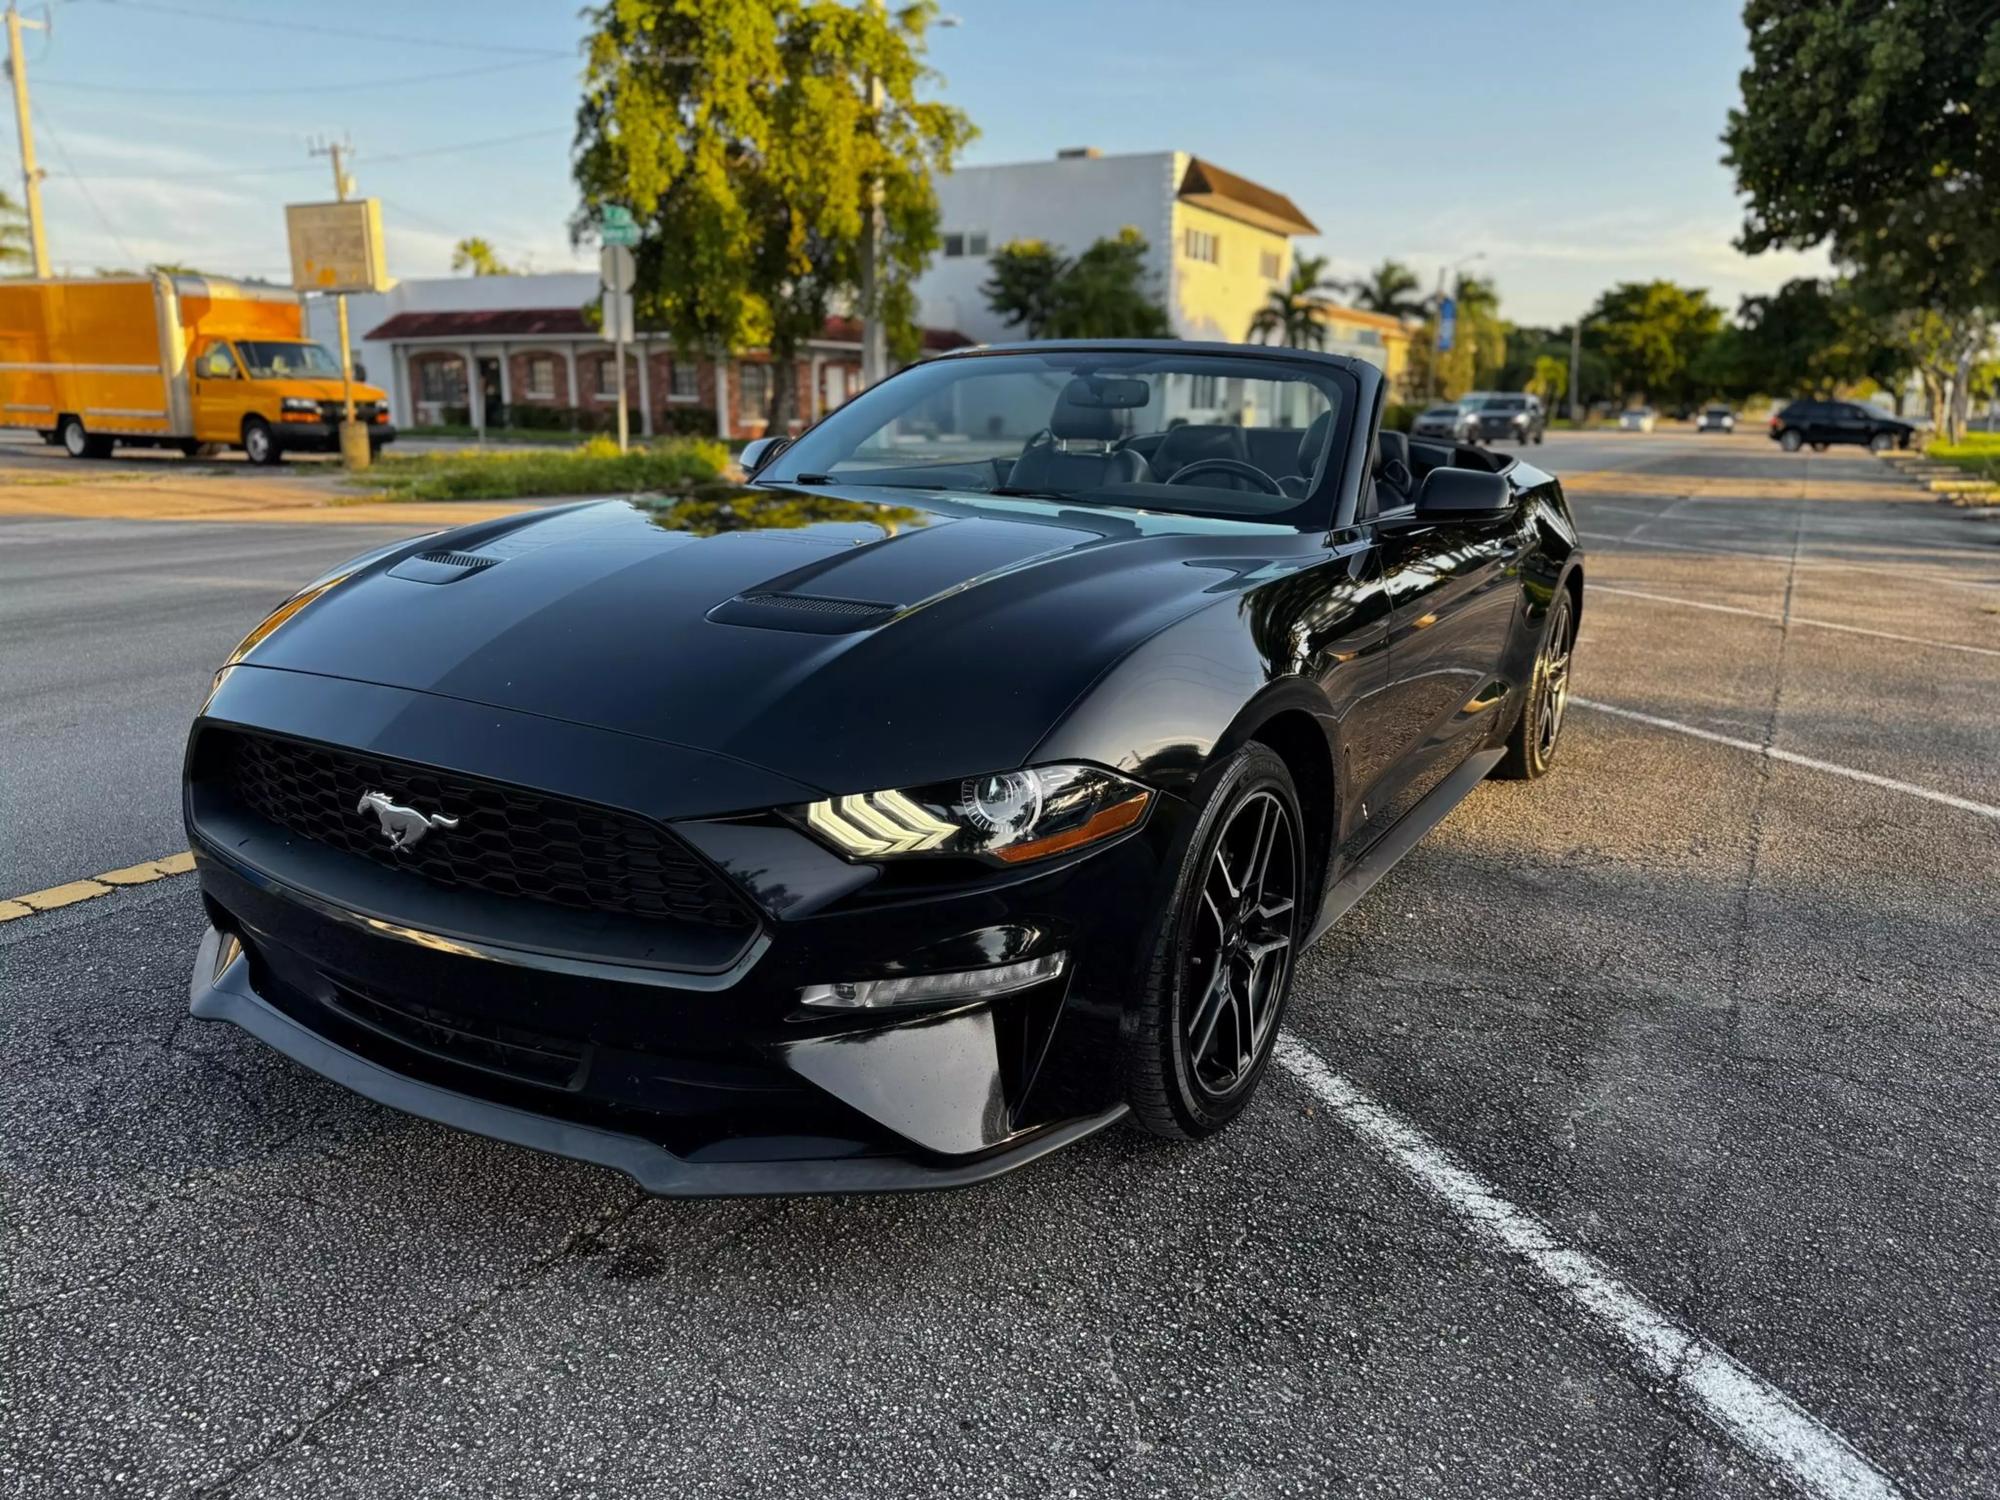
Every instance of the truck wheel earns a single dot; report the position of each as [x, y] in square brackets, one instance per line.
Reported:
[78, 443]
[259, 445]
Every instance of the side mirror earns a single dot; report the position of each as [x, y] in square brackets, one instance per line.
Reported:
[360, 370]
[1463, 495]
[759, 452]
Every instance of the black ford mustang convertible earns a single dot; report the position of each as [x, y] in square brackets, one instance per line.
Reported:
[967, 780]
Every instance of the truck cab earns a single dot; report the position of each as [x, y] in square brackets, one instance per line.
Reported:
[273, 396]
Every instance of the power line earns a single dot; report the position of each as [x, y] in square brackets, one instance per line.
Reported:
[373, 161]
[83, 186]
[208, 90]
[341, 31]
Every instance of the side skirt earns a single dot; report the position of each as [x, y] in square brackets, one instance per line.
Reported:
[1382, 856]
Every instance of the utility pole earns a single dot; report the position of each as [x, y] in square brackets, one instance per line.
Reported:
[31, 175]
[354, 449]
[874, 337]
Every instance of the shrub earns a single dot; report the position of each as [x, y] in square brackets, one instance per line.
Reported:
[686, 421]
[1397, 416]
[592, 468]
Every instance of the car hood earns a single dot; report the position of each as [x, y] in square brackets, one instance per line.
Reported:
[846, 638]
[321, 390]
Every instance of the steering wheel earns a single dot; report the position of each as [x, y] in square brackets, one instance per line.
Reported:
[1235, 466]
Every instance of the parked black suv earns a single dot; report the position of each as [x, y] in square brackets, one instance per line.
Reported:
[1823, 422]
[1518, 419]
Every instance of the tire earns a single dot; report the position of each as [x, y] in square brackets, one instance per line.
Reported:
[1538, 438]
[1881, 442]
[78, 442]
[1532, 744]
[1195, 1056]
[260, 445]
[1819, 447]
[1791, 440]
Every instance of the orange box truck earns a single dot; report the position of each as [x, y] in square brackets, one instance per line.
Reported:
[187, 362]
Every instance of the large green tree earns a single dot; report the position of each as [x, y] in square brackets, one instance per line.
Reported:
[1873, 127]
[1650, 333]
[1812, 337]
[1477, 357]
[748, 138]
[1104, 293]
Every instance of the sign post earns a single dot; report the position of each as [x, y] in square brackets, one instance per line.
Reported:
[337, 247]
[616, 273]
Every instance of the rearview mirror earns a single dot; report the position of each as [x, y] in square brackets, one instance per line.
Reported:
[759, 452]
[1463, 495]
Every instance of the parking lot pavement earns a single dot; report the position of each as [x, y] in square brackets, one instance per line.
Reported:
[1720, 1022]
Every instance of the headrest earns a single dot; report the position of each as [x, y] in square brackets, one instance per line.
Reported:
[1071, 421]
[1313, 444]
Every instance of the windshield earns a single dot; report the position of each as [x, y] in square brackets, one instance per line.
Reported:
[1506, 403]
[269, 359]
[1157, 430]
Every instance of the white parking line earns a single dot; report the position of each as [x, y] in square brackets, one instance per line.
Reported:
[1916, 570]
[1760, 614]
[1757, 1415]
[1772, 752]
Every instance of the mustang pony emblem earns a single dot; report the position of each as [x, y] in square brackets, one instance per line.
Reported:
[405, 826]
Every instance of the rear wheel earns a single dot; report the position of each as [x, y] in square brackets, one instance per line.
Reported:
[259, 445]
[1881, 443]
[1216, 986]
[1531, 748]
[1791, 440]
[78, 442]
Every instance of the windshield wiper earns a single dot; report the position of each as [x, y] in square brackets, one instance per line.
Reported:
[1018, 494]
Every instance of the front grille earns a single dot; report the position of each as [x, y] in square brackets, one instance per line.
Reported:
[508, 841]
[336, 411]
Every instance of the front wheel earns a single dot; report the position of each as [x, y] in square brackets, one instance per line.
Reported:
[1531, 748]
[1819, 447]
[1881, 443]
[1790, 440]
[259, 445]
[1216, 985]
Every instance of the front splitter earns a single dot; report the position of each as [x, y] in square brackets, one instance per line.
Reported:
[221, 991]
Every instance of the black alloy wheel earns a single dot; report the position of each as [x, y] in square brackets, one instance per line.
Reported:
[1791, 440]
[1221, 973]
[1531, 748]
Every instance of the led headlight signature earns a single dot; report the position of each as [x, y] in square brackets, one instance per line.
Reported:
[1011, 816]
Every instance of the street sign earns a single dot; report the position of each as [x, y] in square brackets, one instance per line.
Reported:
[1447, 325]
[337, 247]
[616, 269]
[618, 316]
[616, 227]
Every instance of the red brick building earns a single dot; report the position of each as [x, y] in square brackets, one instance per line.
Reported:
[541, 363]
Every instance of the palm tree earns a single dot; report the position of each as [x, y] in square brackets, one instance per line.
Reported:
[477, 256]
[1390, 288]
[1296, 312]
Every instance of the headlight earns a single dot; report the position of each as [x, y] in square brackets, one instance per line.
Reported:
[300, 404]
[1010, 816]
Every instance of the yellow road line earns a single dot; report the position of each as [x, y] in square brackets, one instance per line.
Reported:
[69, 894]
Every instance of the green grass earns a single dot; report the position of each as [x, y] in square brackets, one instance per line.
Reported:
[593, 468]
[543, 437]
[1978, 455]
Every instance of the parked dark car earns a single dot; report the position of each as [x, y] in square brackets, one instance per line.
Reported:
[969, 780]
[1450, 421]
[1511, 419]
[1823, 422]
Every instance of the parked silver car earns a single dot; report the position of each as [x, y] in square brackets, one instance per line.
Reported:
[1715, 419]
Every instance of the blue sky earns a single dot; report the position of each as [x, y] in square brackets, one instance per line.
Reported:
[1574, 144]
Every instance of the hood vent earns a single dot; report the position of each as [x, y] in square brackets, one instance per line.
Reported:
[816, 614]
[441, 567]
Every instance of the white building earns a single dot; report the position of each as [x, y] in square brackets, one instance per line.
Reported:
[1216, 243]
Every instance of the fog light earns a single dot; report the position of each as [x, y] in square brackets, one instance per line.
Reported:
[924, 989]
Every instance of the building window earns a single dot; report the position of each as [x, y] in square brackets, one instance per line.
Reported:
[541, 381]
[1201, 244]
[963, 242]
[1272, 264]
[1202, 392]
[607, 379]
[753, 389]
[441, 381]
[683, 381]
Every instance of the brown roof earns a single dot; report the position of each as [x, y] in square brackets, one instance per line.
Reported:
[560, 322]
[485, 323]
[1366, 319]
[1238, 197]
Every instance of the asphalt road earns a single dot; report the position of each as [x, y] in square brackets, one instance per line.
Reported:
[1721, 1021]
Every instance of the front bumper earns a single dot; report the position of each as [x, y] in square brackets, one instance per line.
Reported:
[693, 1068]
[324, 437]
[1508, 430]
